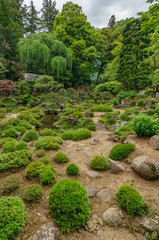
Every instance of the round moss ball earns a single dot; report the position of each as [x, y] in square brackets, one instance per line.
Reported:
[31, 135]
[12, 217]
[34, 169]
[72, 169]
[99, 163]
[60, 157]
[33, 193]
[69, 205]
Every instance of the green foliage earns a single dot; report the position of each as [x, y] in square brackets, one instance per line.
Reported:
[113, 86]
[101, 108]
[20, 146]
[20, 129]
[12, 217]
[157, 109]
[86, 122]
[31, 135]
[126, 94]
[91, 114]
[15, 160]
[123, 131]
[48, 132]
[10, 184]
[11, 132]
[92, 127]
[33, 193]
[145, 125]
[124, 117]
[140, 103]
[115, 102]
[72, 169]
[131, 200]
[76, 135]
[121, 151]
[46, 160]
[60, 157]
[34, 169]
[7, 140]
[40, 153]
[69, 205]
[48, 143]
[99, 162]
[47, 176]
[8, 147]
[133, 103]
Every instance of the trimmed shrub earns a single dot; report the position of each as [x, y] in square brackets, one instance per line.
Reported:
[140, 103]
[92, 127]
[12, 217]
[131, 200]
[40, 153]
[10, 184]
[87, 121]
[33, 193]
[7, 140]
[69, 205]
[121, 151]
[124, 117]
[48, 132]
[20, 146]
[145, 125]
[60, 157]
[72, 169]
[31, 135]
[102, 108]
[20, 129]
[11, 132]
[99, 163]
[76, 135]
[48, 143]
[8, 147]
[47, 176]
[34, 169]
[45, 160]
[133, 103]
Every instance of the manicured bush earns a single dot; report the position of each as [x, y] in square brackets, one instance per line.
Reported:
[145, 125]
[48, 143]
[140, 103]
[47, 176]
[76, 134]
[69, 205]
[20, 146]
[87, 121]
[60, 157]
[92, 127]
[48, 132]
[72, 169]
[40, 153]
[25, 124]
[133, 103]
[15, 160]
[20, 129]
[31, 135]
[12, 217]
[99, 163]
[34, 169]
[11, 132]
[121, 151]
[102, 108]
[10, 184]
[112, 86]
[8, 147]
[7, 140]
[115, 102]
[131, 200]
[45, 160]
[33, 193]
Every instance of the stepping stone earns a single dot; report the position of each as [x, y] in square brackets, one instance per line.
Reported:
[104, 195]
[93, 174]
[91, 190]
[112, 217]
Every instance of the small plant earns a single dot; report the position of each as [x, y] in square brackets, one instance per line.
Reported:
[72, 169]
[102, 108]
[99, 163]
[31, 135]
[48, 132]
[48, 143]
[121, 151]
[34, 169]
[40, 153]
[33, 193]
[133, 103]
[131, 200]
[69, 205]
[20, 146]
[11, 132]
[140, 103]
[47, 176]
[76, 135]
[92, 127]
[10, 184]
[60, 157]
[46, 160]
[8, 147]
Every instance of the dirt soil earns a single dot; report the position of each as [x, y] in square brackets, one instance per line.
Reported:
[81, 152]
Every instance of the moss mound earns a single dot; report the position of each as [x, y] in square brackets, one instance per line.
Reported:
[121, 151]
[99, 163]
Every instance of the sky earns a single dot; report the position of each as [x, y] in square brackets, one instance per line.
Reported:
[99, 11]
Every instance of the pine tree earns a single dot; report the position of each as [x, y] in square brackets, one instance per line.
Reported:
[49, 12]
[111, 22]
[33, 19]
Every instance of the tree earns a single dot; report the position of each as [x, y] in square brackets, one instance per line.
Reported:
[49, 12]
[133, 69]
[7, 87]
[111, 22]
[32, 19]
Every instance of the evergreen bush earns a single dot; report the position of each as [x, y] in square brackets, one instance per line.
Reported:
[47, 176]
[72, 169]
[34, 169]
[76, 135]
[121, 151]
[60, 157]
[33, 193]
[99, 163]
[10, 184]
[31, 135]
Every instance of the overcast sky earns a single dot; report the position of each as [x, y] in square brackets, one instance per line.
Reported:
[99, 11]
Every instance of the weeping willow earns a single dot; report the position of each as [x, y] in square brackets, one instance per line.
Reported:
[41, 53]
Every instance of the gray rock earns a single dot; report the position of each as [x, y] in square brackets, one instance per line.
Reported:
[129, 140]
[115, 167]
[93, 174]
[142, 92]
[148, 104]
[112, 217]
[157, 94]
[72, 120]
[93, 224]
[100, 126]
[145, 223]
[154, 142]
[126, 102]
[146, 167]
[94, 141]
[104, 195]
[91, 190]
[87, 114]
[46, 232]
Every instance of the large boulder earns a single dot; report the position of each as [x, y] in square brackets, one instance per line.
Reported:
[146, 167]
[154, 142]
[126, 102]
[115, 167]
[113, 217]
[72, 120]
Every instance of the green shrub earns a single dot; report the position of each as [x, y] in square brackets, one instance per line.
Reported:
[8, 147]
[34, 169]
[20, 146]
[7, 140]
[20, 129]
[25, 124]
[12, 217]
[60, 157]
[48, 132]
[123, 131]
[112, 86]
[102, 108]
[145, 125]
[11, 132]
[15, 160]
[91, 114]
[31, 135]
[45, 160]
[33, 193]
[99, 163]
[76, 134]
[72, 169]
[121, 151]
[40, 153]
[77, 114]
[157, 109]
[47, 176]
[86, 122]
[48, 143]
[33, 102]
[133, 103]
[69, 205]
[92, 127]
[10, 184]
[115, 102]
[140, 103]
[124, 117]
[35, 122]
[131, 200]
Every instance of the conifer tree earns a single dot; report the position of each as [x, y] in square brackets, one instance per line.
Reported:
[111, 22]
[32, 19]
